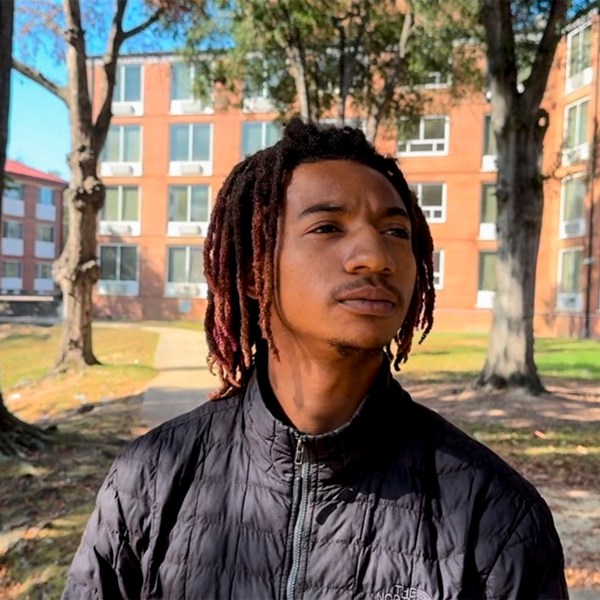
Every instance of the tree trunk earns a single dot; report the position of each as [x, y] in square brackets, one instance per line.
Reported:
[510, 358]
[77, 272]
[16, 437]
[298, 69]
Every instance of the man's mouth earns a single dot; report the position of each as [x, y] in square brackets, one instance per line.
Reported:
[376, 301]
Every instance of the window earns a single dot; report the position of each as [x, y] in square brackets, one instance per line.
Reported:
[432, 199]
[257, 135]
[572, 207]
[12, 230]
[426, 136]
[43, 270]
[257, 83]
[569, 296]
[185, 272]
[128, 87]
[44, 233]
[190, 149]
[118, 270]
[579, 64]
[435, 79]
[123, 150]
[121, 203]
[438, 269]
[182, 75]
[12, 269]
[188, 209]
[13, 191]
[183, 98]
[489, 212]
[575, 140]
[487, 279]
[46, 196]
[489, 160]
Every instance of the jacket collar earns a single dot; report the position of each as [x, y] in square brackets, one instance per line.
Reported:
[366, 437]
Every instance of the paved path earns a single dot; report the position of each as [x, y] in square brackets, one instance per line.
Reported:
[183, 382]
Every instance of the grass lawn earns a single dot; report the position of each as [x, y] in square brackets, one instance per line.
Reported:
[461, 356]
[46, 498]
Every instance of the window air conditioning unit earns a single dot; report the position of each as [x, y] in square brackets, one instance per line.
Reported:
[569, 301]
[122, 109]
[572, 228]
[575, 155]
[190, 107]
[121, 170]
[189, 229]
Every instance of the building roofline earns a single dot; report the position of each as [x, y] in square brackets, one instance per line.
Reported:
[17, 170]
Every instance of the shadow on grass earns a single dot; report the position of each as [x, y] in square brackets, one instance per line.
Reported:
[48, 496]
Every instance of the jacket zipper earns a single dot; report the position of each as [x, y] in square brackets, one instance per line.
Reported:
[301, 491]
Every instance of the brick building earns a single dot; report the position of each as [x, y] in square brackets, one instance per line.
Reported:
[32, 232]
[167, 154]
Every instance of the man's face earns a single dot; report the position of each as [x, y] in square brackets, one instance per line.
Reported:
[345, 269]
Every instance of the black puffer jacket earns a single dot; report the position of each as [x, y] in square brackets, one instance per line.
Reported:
[229, 502]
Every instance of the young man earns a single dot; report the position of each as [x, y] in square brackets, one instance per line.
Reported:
[313, 474]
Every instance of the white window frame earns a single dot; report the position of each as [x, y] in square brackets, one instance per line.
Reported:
[119, 287]
[122, 227]
[122, 168]
[12, 283]
[584, 76]
[188, 289]
[581, 151]
[43, 284]
[430, 212]
[263, 134]
[489, 162]
[485, 298]
[438, 82]
[128, 108]
[193, 167]
[258, 103]
[441, 145]
[190, 105]
[13, 204]
[571, 301]
[12, 246]
[438, 275]
[488, 230]
[574, 227]
[188, 227]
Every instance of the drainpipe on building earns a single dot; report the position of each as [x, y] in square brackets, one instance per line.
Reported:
[588, 261]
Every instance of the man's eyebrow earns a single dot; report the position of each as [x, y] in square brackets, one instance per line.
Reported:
[392, 211]
[322, 207]
[396, 211]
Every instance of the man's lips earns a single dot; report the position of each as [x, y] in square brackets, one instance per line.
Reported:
[370, 300]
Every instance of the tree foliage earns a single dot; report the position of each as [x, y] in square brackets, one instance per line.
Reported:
[330, 59]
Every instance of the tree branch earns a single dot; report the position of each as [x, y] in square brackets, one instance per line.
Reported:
[142, 26]
[60, 91]
[535, 85]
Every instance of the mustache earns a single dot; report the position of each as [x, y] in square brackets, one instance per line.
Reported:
[362, 283]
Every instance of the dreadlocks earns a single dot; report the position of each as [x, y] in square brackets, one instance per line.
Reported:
[240, 247]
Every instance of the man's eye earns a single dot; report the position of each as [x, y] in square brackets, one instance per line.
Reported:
[400, 232]
[328, 228]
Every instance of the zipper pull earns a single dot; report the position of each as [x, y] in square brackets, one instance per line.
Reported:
[299, 450]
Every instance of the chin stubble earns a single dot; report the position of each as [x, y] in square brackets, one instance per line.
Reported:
[346, 350]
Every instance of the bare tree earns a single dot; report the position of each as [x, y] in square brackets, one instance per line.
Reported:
[519, 124]
[77, 270]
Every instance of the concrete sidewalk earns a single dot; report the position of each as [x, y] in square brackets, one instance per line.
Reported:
[183, 382]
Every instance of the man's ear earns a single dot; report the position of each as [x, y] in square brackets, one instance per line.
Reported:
[251, 285]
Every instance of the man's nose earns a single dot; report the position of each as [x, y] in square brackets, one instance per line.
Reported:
[367, 251]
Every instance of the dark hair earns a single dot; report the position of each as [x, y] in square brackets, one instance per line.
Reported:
[241, 241]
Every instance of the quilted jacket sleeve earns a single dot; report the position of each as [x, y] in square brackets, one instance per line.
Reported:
[105, 564]
[530, 564]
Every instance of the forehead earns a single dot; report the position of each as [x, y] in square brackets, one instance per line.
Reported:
[340, 181]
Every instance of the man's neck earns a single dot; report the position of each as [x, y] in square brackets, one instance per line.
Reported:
[319, 396]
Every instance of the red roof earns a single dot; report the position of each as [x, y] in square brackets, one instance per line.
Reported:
[17, 169]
